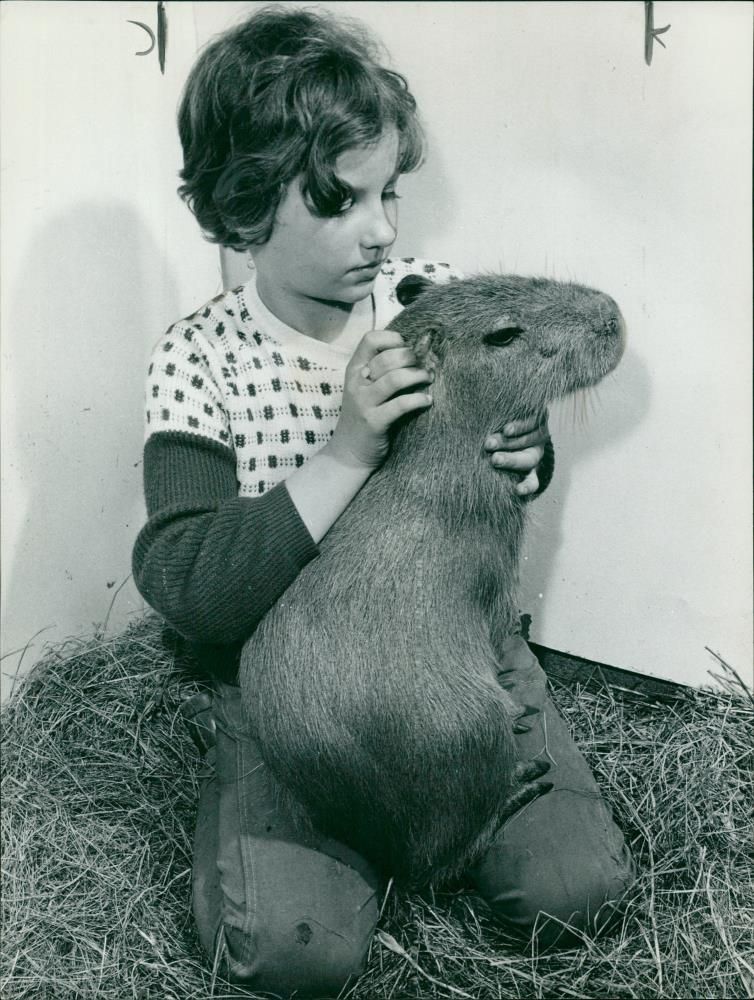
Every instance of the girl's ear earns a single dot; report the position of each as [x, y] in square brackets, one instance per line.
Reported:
[411, 287]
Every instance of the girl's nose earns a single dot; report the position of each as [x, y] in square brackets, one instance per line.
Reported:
[382, 227]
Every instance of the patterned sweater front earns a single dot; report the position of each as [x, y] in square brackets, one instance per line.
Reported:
[234, 374]
[235, 402]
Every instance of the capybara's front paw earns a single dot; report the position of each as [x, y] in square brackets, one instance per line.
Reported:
[526, 786]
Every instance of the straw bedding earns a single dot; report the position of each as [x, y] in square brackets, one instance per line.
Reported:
[99, 785]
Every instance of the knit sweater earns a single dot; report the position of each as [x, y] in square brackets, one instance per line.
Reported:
[236, 401]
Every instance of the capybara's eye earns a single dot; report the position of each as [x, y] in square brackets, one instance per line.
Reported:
[502, 337]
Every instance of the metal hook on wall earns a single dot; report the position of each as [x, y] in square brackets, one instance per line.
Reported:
[162, 36]
[650, 32]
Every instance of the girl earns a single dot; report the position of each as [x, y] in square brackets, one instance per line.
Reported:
[267, 411]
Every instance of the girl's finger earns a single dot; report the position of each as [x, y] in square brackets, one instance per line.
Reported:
[518, 461]
[528, 485]
[374, 343]
[517, 428]
[397, 381]
[402, 404]
[388, 360]
[502, 442]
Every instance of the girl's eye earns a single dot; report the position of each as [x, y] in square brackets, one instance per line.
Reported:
[348, 202]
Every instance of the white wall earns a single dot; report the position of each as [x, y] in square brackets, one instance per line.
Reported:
[554, 149]
[98, 257]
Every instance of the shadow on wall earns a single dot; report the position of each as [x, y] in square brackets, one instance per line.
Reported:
[90, 302]
[428, 210]
[582, 426]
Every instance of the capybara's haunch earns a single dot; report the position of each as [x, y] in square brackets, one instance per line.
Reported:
[371, 685]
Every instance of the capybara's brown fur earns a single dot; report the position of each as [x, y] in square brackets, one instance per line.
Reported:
[371, 685]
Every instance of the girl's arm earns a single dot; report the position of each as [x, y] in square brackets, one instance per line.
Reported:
[382, 383]
[213, 563]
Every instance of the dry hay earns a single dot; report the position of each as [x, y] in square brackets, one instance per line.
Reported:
[99, 789]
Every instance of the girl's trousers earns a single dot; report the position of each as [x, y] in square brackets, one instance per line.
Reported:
[282, 914]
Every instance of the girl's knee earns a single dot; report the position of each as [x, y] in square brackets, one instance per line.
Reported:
[309, 961]
[558, 905]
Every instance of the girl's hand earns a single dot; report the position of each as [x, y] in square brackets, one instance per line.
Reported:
[382, 383]
[519, 448]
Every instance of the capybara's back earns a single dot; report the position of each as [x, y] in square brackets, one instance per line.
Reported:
[371, 685]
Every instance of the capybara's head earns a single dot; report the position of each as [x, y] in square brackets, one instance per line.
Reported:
[503, 347]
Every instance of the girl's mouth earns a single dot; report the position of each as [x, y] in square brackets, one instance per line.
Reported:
[368, 268]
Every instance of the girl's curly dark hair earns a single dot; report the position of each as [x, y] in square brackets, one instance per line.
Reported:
[281, 95]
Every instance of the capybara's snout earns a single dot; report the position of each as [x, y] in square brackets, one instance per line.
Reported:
[599, 314]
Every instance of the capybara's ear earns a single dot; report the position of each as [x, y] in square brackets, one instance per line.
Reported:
[427, 347]
[410, 287]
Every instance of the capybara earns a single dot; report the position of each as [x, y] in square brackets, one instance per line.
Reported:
[371, 685]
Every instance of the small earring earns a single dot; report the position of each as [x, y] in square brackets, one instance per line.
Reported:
[249, 260]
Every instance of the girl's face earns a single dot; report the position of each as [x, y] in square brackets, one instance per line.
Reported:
[333, 260]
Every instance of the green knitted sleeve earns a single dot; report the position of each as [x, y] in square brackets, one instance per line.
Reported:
[211, 562]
